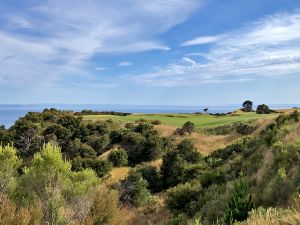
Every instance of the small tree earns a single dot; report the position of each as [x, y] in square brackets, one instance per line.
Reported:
[247, 106]
[9, 163]
[188, 127]
[134, 190]
[118, 157]
[239, 205]
[263, 109]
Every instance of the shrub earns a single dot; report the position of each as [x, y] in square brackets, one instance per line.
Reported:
[9, 163]
[184, 198]
[118, 157]
[244, 128]
[98, 143]
[134, 190]
[106, 209]
[153, 177]
[263, 109]
[188, 127]
[247, 106]
[101, 167]
[175, 164]
[239, 205]
[156, 122]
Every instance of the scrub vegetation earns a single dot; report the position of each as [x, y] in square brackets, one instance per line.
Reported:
[60, 167]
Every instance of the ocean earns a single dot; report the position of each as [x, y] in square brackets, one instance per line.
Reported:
[10, 113]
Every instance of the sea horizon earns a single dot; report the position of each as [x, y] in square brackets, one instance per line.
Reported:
[9, 113]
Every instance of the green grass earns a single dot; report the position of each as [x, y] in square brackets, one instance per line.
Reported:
[177, 120]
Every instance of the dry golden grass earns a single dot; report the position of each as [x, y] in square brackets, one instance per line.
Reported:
[293, 135]
[156, 213]
[267, 163]
[165, 130]
[206, 144]
[117, 174]
[156, 163]
[261, 124]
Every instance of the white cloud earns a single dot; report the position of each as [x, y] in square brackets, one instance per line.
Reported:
[189, 60]
[125, 63]
[201, 40]
[100, 68]
[65, 35]
[269, 47]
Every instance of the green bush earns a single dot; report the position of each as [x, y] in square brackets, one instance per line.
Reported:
[153, 177]
[184, 198]
[239, 205]
[118, 157]
[134, 190]
[263, 109]
[177, 163]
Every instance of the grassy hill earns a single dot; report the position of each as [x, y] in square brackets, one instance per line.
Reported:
[177, 120]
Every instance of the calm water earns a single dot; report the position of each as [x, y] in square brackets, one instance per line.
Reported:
[10, 113]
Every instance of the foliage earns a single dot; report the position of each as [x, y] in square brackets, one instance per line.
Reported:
[247, 106]
[153, 178]
[188, 127]
[176, 163]
[9, 163]
[183, 198]
[134, 190]
[118, 157]
[51, 181]
[106, 209]
[263, 109]
[240, 203]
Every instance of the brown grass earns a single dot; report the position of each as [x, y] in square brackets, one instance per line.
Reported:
[204, 143]
[117, 174]
[156, 163]
[165, 130]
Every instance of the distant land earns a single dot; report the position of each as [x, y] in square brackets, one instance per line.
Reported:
[9, 113]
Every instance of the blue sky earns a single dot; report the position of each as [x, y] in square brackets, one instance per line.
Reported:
[168, 52]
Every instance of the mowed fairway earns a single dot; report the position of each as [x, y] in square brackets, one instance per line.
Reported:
[177, 120]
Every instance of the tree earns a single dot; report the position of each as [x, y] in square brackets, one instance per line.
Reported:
[188, 127]
[263, 109]
[27, 138]
[239, 205]
[177, 163]
[183, 198]
[153, 177]
[9, 163]
[118, 157]
[134, 190]
[101, 167]
[51, 181]
[247, 106]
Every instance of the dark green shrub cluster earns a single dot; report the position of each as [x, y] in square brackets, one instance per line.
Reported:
[187, 128]
[134, 190]
[181, 164]
[263, 109]
[118, 157]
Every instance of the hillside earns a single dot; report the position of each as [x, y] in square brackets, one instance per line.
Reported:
[200, 120]
[112, 172]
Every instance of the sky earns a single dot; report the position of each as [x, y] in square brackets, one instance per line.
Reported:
[158, 52]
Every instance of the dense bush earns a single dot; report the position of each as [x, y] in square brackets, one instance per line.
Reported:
[118, 157]
[239, 205]
[177, 162]
[184, 198]
[263, 109]
[134, 190]
[153, 177]
[188, 127]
